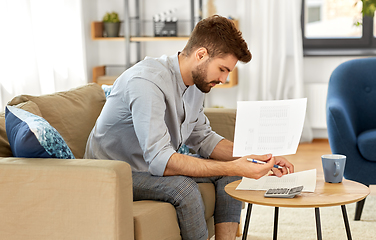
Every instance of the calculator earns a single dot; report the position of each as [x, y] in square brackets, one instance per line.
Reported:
[283, 192]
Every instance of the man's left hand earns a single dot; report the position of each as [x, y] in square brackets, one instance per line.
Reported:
[287, 167]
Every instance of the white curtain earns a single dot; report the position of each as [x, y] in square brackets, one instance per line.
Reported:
[272, 30]
[41, 46]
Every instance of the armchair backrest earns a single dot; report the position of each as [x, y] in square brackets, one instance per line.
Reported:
[353, 85]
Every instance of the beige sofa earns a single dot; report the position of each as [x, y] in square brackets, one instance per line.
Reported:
[83, 198]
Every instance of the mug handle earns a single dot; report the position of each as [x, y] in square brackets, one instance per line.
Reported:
[337, 169]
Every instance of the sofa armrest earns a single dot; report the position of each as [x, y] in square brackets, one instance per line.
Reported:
[65, 199]
[222, 121]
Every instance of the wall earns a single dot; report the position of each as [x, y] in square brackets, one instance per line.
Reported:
[89, 8]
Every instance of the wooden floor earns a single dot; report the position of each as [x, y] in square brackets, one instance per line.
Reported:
[308, 156]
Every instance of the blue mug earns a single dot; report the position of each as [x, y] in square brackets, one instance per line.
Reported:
[333, 166]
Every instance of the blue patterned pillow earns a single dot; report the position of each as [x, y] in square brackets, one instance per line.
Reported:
[183, 149]
[107, 90]
[32, 136]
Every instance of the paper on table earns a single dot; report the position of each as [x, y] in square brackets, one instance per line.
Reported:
[268, 127]
[305, 178]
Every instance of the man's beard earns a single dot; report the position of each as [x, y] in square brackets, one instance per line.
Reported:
[199, 76]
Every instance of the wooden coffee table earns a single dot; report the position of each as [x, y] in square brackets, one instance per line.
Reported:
[325, 195]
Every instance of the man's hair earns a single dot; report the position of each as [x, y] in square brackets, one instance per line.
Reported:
[220, 37]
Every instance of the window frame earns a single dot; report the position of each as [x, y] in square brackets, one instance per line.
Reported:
[366, 45]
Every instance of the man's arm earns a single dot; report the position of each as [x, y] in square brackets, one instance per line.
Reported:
[180, 164]
[223, 151]
[224, 164]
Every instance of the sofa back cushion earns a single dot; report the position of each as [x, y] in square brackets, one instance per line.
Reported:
[222, 121]
[5, 150]
[72, 113]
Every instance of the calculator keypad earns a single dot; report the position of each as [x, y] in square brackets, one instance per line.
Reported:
[283, 192]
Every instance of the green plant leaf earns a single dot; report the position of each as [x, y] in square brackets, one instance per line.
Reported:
[369, 7]
[112, 17]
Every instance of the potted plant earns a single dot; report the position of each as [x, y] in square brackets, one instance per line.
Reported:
[111, 25]
[368, 9]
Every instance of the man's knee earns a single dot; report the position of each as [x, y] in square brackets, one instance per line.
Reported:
[185, 192]
[227, 208]
[231, 179]
[177, 190]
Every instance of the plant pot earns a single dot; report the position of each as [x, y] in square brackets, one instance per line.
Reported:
[111, 29]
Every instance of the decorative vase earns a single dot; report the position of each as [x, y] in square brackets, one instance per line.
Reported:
[111, 29]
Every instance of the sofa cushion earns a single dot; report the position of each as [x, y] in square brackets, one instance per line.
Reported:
[207, 191]
[72, 113]
[367, 144]
[5, 150]
[31, 136]
[222, 121]
[155, 220]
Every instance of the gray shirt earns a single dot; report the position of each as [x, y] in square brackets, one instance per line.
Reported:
[149, 114]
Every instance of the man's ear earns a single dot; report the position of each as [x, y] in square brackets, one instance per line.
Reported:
[201, 54]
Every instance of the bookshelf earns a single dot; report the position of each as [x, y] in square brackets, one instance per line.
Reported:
[100, 72]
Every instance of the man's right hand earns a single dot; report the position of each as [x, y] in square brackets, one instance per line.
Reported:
[255, 170]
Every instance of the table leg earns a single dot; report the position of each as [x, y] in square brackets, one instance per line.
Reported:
[318, 223]
[346, 220]
[246, 223]
[276, 212]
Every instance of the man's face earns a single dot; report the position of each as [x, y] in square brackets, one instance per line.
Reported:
[213, 71]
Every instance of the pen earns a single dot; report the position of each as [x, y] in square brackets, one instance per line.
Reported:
[257, 161]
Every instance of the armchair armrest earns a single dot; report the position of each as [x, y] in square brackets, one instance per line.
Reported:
[65, 199]
[341, 128]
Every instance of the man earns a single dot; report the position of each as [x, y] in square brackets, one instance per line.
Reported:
[157, 106]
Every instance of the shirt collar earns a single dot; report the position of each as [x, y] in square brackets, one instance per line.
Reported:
[176, 68]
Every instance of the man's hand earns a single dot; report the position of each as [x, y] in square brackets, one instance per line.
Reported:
[256, 171]
[287, 167]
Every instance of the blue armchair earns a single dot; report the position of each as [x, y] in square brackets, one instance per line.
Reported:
[351, 119]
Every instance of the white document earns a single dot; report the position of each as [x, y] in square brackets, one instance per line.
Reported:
[264, 127]
[303, 178]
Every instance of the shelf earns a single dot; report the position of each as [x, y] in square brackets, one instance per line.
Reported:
[152, 39]
[100, 74]
[109, 38]
[100, 77]
[97, 34]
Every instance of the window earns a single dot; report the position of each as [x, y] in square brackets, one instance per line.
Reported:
[336, 27]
